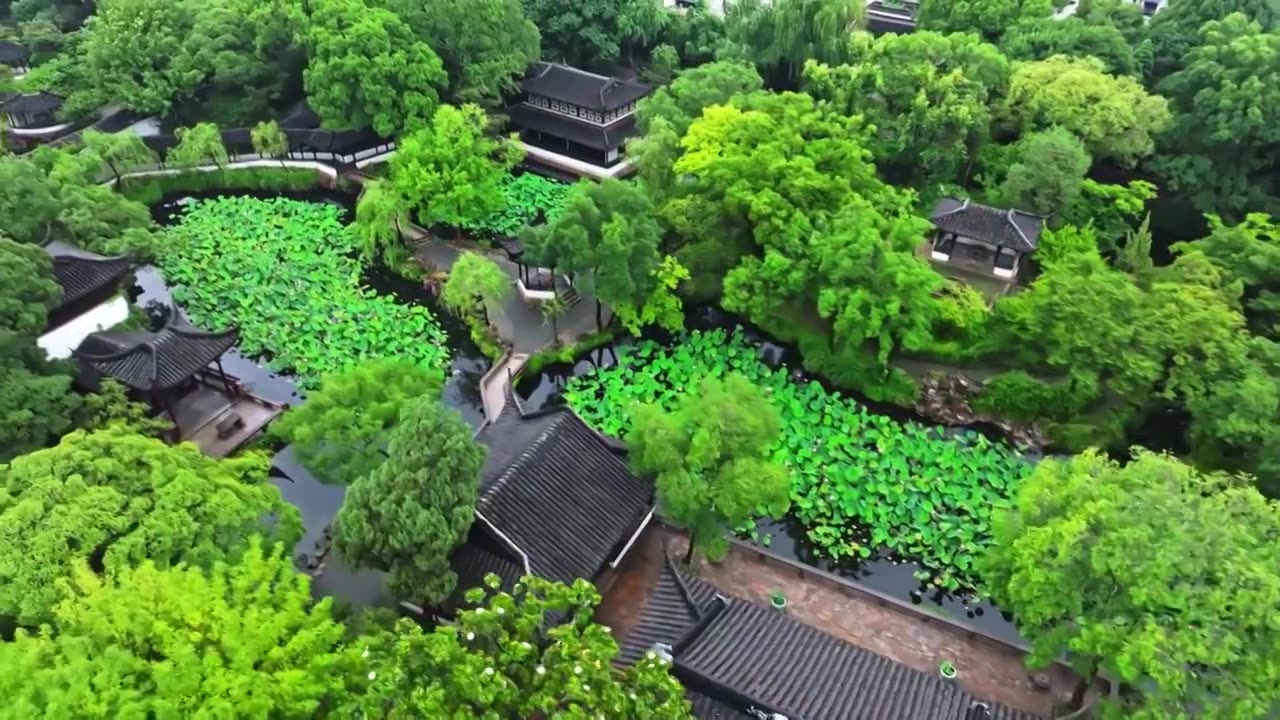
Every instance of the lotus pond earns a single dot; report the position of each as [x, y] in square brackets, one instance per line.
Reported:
[286, 273]
[865, 486]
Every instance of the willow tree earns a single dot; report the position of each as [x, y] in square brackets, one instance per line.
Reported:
[474, 283]
[111, 499]
[119, 151]
[380, 213]
[784, 34]
[269, 140]
[197, 144]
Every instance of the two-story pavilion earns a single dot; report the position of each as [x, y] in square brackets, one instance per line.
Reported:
[568, 117]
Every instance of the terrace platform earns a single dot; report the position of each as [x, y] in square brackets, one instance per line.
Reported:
[199, 414]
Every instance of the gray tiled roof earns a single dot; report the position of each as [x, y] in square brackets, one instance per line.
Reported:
[1013, 229]
[581, 88]
[559, 491]
[38, 103]
[81, 272]
[155, 360]
[11, 53]
[741, 653]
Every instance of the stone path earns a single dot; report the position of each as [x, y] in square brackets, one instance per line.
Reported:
[986, 670]
[493, 386]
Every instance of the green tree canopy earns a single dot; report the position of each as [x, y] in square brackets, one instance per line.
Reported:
[681, 102]
[989, 18]
[242, 640]
[709, 458]
[1176, 29]
[1223, 148]
[26, 274]
[780, 36]
[1248, 253]
[1114, 116]
[408, 514]
[268, 139]
[381, 212]
[197, 145]
[368, 68]
[1043, 37]
[533, 652]
[452, 170]
[592, 35]
[927, 94]
[111, 499]
[1048, 172]
[485, 44]
[135, 53]
[606, 235]
[1143, 571]
[37, 404]
[475, 282]
[665, 116]
[119, 151]
[340, 432]
[1112, 210]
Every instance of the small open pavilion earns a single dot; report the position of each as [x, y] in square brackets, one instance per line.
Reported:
[34, 114]
[170, 369]
[982, 239]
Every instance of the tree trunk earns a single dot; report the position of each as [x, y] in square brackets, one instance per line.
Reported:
[599, 316]
[115, 172]
[688, 555]
[484, 311]
[555, 330]
[1081, 688]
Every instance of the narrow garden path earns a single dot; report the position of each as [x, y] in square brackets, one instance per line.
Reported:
[986, 670]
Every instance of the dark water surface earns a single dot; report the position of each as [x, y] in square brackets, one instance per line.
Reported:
[317, 501]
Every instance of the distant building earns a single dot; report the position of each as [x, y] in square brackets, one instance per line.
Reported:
[740, 660]
[91, 298]
[14, 57]
[576, 120]
[982, 239]
[34, 114]
[557, 500]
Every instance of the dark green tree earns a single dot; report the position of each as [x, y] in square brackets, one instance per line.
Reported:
[605, 235]
[26, 274]
[340, 432]
[1222, 149]
[780, 36]
[485, 44]
[1176, 29]
[368, 68]
[1063, 559]
[592, 35]
[407, 515]
[1043, 37]
[989, 18]
[1047, 174]
[1248, 253]
[709, 458]
[927, 94]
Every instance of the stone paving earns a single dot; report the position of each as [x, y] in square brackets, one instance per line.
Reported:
[989, 671]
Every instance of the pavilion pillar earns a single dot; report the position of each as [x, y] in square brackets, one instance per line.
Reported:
[223, 374]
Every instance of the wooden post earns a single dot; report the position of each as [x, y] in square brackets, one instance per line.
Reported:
[225, 383]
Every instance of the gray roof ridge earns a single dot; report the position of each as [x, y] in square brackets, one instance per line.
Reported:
[1009, 216]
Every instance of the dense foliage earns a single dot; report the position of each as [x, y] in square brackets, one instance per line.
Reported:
[111, 499]
[1142, 571]
[502, 658]
[526, 199]
[340, 432]
[709, 458]
[241, 640]
[283, 271]
[860, 482]
[452, 170]
[408, 514]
